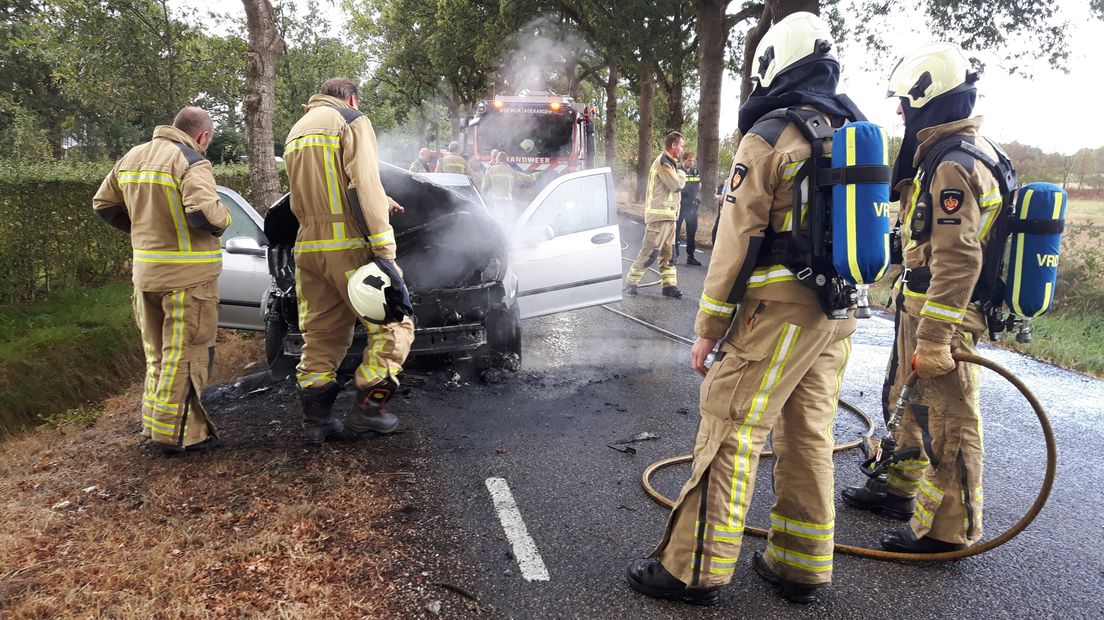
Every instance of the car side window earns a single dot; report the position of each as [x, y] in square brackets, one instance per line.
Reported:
[240, 225]
[578, 205]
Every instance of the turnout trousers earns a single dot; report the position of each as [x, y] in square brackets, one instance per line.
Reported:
[327, 318]
[659, 241]
[178, 336]
[781, 373]
[943, 422]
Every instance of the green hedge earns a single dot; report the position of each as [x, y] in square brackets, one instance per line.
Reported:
[49, 237]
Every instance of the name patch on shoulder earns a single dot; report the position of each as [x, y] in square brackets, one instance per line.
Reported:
[739, 171]
[950, 220]
[731, 199]
[951, 200]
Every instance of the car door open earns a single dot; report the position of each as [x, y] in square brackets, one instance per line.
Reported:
[244, 280]
[566, 246]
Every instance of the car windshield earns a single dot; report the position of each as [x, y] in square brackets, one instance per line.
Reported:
[526, 134]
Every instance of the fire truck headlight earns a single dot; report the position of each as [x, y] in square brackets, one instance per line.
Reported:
[498, 105]
[555, 106]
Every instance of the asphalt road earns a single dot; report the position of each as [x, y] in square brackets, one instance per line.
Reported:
[591, 378]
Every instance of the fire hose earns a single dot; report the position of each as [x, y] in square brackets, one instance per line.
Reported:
[1007, 535]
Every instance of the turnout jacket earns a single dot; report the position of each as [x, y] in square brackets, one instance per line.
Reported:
[501, 180]
[333, 169]
[758, 195]
[665, 182]
[163, 193]
[966, 201]
[456, 163]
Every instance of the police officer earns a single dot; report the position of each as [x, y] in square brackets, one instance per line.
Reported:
[945, 231]
[501, 182]
[163, 193]
[781, 359]
[333, 171]
[688, 211]
[422, 163]
[661, 206]
[455, 162]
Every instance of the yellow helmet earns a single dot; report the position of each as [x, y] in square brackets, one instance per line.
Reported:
[795, 40]
[932, 71]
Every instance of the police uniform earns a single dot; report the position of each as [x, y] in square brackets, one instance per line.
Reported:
[661, 207]
[331, 157]
[688, 211]
[163, 193]
[942, 260]
[779, 371]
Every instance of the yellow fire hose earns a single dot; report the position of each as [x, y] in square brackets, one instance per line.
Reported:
[1012, 532]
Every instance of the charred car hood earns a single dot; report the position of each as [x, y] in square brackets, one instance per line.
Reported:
[444, 240]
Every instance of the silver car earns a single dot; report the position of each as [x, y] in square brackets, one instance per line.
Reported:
[470, 284]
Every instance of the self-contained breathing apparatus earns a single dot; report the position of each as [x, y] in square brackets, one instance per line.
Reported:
[838, 242]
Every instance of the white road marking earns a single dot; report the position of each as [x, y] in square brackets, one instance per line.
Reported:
[525, 550]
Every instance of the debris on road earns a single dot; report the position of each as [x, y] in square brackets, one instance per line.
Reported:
[626, 449]
[642, 436]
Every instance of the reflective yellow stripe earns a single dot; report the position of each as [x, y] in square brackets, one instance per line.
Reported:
[929, 489]
[154, 404]
[911, 465]
[309, 379]
[330, 245]
[709, 305]
[381, 239]
[172, 256]
[802, 529]
[694, 179]
[147, 176]
[789, 171]
[768, 275]
[176, 348]
[852, 206]
[1048, 291]
[1020, 254]
[183, 237]
[803, 561]
[943, 312]
[322, 140]
[721, 565]
[923, 515]
[741, 473]
[333, 184]
[990, 198]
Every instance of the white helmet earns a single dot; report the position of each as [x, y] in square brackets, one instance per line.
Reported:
[370, 288]
[796, 40]
[932, 71]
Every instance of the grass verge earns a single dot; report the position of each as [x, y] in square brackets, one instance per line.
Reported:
[72, 348]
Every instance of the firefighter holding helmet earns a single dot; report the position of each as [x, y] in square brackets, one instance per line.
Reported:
[163, 194]
[948, 206]
[343, 213]
[661, 207]
[781, 357]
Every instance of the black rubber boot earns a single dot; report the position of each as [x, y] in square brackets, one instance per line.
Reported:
[874, 497]
[210, 443]
[367, 415]
[792, 591]
[649, 577]
[672, 291]
[693, 262]
[631, 289]
[319, 425]
[907, 542]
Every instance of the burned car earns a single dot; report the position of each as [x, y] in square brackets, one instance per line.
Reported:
[471, 281]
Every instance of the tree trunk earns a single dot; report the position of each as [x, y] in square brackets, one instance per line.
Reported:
[644, 130]
[265, 47]
[676, 115]
[712, 35]
[454, 116]
[611, 114]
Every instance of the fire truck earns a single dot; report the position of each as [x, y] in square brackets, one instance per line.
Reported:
[539, 132]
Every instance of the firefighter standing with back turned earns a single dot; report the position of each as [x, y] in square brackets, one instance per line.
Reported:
[333, 171]
[455, 162]
[781, 360]
[163, 193]
[501, 183]
[661, 206]
[944, 232]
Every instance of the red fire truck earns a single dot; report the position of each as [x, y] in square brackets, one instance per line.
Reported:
[538, 132]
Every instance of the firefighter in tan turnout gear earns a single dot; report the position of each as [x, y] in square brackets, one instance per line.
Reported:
[944, 233]
[502, 182]
[163, 193]
[781, 359]
[336, 194]
[661, 208]
[454, 162]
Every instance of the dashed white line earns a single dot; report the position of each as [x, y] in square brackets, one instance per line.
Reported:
[525, 549]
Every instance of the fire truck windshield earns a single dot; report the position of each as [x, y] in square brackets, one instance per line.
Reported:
[522, 134]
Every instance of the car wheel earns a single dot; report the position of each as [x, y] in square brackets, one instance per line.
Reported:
[503, 348]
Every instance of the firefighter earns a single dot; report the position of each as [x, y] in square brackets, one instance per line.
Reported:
[163, 193]
[501, 181]
[455, 162]
[422, 163]
[333, 171]
[688, 210]
[781, 359]
[944, 235]
[661, 206]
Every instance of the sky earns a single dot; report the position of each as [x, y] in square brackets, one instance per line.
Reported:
[1053, 110]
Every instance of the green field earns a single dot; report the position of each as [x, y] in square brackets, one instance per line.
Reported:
[1085, 212]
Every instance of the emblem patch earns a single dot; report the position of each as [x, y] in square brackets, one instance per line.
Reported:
[739, 171]
[951, 200]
